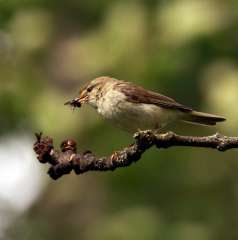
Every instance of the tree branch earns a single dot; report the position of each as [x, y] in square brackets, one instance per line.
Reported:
[66, 159]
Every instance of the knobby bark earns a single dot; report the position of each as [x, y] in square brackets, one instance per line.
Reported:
[66, 159]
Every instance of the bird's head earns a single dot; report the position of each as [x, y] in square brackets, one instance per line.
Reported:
[91, 92]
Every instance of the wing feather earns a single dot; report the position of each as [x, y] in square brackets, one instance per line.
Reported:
[137, 94]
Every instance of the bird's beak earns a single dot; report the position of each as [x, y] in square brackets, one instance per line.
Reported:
[74, 103]
[78, 101]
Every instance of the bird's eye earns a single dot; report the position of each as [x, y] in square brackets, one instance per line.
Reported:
[89, 89]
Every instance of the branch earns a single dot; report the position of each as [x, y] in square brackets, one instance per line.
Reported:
[66, 159]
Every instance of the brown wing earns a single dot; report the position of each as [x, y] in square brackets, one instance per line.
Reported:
[137, 94]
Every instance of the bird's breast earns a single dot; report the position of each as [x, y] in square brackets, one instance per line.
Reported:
[109, 104]
[115, 107]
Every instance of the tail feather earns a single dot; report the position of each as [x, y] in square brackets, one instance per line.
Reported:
[202, 118]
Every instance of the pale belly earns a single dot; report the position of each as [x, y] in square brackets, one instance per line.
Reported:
[133, 117]
[142, 117]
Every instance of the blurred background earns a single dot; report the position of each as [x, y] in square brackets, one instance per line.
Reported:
[187, 49]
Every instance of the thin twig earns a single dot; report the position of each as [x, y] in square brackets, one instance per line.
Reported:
[67, 159]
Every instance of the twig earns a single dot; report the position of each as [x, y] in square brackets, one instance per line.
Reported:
[67, 159]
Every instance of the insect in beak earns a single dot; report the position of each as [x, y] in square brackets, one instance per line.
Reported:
[74, 103]
[79, 101]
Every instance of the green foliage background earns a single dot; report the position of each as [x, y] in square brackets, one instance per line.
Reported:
[186, 49]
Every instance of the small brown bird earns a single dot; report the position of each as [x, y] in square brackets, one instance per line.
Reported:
[134, 108]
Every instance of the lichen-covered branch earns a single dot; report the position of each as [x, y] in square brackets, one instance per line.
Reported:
[66, 159]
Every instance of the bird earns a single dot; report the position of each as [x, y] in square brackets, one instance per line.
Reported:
[134, 108]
